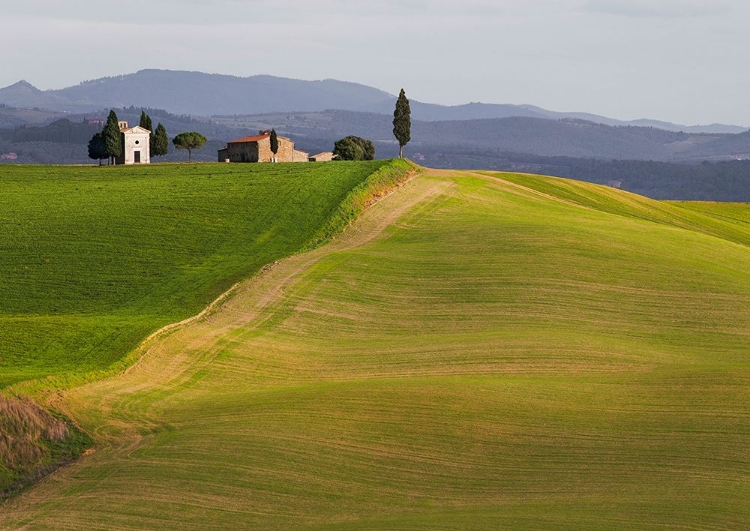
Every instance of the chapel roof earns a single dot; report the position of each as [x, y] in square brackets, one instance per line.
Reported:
[136, 129]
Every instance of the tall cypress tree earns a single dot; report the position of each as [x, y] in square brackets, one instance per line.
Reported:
[146, 121]
[159, 142]
[146, 124]
[274, 143]
[402, 122]
[112, 137]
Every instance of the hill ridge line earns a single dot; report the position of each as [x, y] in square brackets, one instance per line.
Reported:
[675, 216]
[265, 270]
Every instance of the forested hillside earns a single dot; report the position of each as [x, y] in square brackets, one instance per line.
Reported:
[210, 94]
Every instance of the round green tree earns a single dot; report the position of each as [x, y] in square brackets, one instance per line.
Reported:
[354, 148]
[97, 148]
[190, 141]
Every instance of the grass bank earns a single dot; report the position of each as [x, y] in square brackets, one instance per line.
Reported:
[34, 442]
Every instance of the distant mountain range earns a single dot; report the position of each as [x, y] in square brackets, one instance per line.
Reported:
[199, 94]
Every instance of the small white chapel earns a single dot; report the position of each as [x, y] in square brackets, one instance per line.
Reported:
[136, 145]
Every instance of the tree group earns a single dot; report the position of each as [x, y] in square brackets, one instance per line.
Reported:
[108, 144]
[146, 121]
[158, 142]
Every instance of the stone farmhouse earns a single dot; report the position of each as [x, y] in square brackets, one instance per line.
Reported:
[326, 156]
[136, 145]
[258, 149]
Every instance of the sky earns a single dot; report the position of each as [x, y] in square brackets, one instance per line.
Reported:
[682, 61]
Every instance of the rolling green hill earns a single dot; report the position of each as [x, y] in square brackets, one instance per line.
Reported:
[477, 351]
[95, 259]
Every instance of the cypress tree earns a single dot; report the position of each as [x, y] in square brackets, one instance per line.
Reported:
[274, 143]
[402, 122]
[146, 121]
[112, 137]
[159, 142]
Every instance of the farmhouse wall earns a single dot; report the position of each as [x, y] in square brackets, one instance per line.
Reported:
[258, 149]
[285, 153]
[326, 156]
[301, 156]
[242, 152]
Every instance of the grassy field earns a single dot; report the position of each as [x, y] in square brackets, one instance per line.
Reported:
[95, 259]
[477, 351]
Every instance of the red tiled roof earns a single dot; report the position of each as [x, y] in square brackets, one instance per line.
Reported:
[255, 138]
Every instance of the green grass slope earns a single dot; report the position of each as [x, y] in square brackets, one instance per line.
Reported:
[94, 259]
[476, 352]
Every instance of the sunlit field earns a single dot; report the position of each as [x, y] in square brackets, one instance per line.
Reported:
[476, 351]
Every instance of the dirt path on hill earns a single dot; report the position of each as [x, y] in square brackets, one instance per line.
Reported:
[369, 226]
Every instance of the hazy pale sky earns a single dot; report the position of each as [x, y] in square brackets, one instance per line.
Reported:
[678, 60]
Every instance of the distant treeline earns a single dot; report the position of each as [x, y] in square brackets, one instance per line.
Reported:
[62, 131]
[77, 129]
[706, 181]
